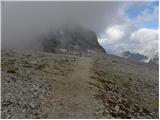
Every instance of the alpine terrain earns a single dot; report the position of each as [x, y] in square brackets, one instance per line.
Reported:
[73, 77]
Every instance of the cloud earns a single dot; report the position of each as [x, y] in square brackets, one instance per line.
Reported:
[22, 22]
[142, 40]
[115, 33]
[131, 35]
[144, 35]
[147, 16]
[147, 39]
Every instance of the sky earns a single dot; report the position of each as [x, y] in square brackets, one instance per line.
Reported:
[120, 26]
[139, 32]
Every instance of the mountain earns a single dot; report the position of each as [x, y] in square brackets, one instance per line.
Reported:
[73, 38]
[140, 57]
[154, 59]
[134, 56]
[150, 52]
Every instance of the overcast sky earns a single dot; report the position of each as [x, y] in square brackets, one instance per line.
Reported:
[119, 26]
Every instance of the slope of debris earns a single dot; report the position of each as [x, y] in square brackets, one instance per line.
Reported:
[126, 90]
[65, 85]
[27, 82]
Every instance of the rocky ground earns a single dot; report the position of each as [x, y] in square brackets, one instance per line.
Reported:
[47, 85]
[126, 90]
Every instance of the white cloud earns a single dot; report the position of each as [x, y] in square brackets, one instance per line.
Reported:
[143, 40]
[103, 41]
[147, 40]
[115, 33]
[144, 35]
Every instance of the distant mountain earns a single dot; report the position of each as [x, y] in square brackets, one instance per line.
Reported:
[140, 57]
[150, 52]
[134, 56]
[73, 38]
[154, 59]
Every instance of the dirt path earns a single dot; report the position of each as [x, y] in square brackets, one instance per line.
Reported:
[74, 95]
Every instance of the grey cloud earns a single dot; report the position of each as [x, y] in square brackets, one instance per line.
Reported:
[25, 22]
[22, 22]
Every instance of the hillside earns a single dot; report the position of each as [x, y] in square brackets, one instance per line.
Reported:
[51, 85]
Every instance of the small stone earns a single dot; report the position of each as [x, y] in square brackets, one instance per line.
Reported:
[6, 103]
[122, 114]
[32, 105]
[11, 71]
[117, 108]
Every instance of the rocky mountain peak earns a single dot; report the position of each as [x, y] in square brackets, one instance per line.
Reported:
[73, 38]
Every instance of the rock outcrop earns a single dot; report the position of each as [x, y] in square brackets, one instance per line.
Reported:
[72, 39]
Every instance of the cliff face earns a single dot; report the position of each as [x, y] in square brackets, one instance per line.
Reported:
[72, 39]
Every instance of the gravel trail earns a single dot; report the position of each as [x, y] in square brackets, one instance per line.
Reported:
[76, 97]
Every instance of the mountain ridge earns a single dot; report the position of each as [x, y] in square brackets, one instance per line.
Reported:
[135, 56]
